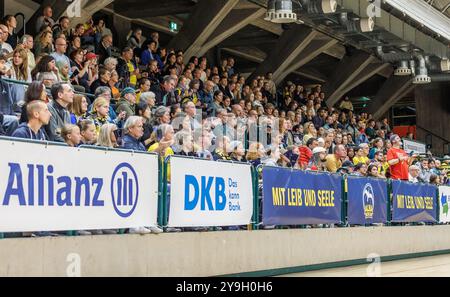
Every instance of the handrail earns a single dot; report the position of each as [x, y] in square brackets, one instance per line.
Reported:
[434, 134]
[24, 83]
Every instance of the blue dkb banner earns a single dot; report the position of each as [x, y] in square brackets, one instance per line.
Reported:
[367, 200]
[293, 197]
[413, 202]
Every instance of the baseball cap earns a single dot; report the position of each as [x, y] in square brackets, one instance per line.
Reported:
[348, 164]
[318, 150]
[128, 90]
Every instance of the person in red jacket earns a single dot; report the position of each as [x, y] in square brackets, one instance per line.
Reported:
[399, 161]
[305, 152]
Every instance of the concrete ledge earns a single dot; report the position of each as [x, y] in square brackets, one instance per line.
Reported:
[214, 253]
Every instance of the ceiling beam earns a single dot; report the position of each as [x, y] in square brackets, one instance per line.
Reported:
[152, 8]
[393, 90]
[290, 44]
[314, 49]
[233, 22]
[203, 21]
[348, 69]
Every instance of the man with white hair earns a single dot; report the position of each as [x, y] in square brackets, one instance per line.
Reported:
[414, 171]
[27, 43]
[149, 98]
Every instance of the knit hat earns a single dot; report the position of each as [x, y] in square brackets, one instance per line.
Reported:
[128, 90]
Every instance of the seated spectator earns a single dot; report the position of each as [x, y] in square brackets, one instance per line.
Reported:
[222, 147]
[36, 91]
[133, 130]
[107, 136]
[334, 161]
[46, 64]
[273, 158]
[104, 49]
[360, 169]
[425, 172]
[318, 159]
[78, 109]
[71, 135]
[88, 132]
[143, 87]
[306, 152]
[143, 110]
[62, 96]
[361, 156]
[38, 116]
[237, 151]
[104, 76]
[413, 175]
[127, 102]
[164, 92]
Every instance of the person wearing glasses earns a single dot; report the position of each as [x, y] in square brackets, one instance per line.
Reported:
[60, 53]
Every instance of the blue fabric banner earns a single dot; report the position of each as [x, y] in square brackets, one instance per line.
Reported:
[367, 200]
[292, 197]
[413, 202]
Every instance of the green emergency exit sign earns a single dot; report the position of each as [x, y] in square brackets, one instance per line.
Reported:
[173, 26]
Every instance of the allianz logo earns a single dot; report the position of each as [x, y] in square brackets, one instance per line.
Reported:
[40, 185]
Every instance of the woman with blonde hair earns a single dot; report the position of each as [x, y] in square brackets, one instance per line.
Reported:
[44, 43]
[310, 131]
[255, 153]
[100, 113]
[107, 136]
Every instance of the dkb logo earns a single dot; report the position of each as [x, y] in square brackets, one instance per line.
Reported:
[124, 190]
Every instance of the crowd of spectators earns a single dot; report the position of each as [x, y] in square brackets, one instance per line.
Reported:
[151, 99]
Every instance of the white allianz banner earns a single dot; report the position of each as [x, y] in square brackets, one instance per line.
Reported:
[57, 188]
[206, 193]
[444, 204]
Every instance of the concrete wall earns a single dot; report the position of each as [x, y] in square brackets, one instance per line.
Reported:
[433, 115]
[212, 253]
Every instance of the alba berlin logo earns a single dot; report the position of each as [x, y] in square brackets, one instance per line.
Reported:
[74, 9]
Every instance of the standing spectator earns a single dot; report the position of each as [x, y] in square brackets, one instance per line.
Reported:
[398, 160]
[45, 19]
[38, 115]
[62, 96]
[346, 105]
